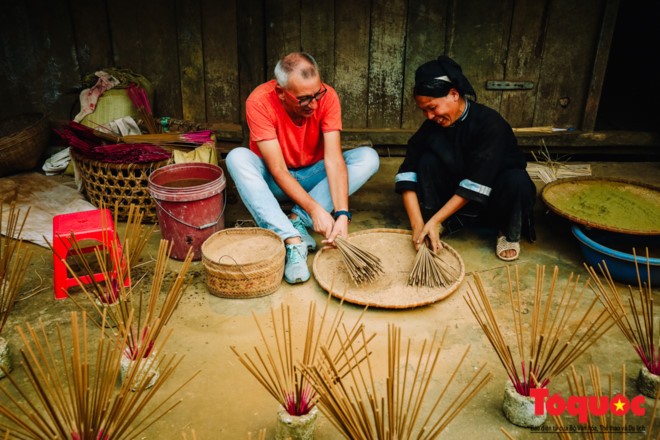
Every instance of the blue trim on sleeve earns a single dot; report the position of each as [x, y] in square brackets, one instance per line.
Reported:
[406, 177]
[473, 186]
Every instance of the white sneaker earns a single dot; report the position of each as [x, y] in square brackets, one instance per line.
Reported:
[304, 235]
[295, 269]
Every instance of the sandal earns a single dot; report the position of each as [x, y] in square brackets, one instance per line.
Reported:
[504, 245]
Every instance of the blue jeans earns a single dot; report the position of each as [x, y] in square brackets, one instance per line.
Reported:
[261, 195]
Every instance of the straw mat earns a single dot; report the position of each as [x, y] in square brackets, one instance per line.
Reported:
[615, 205]
[390, 291]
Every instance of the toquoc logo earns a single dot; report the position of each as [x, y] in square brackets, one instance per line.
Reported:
[584, 406]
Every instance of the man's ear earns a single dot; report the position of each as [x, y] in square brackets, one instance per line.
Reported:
[280, 92]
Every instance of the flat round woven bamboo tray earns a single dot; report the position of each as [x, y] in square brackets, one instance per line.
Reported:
[111, 185]
[243, 262]
[615, 205]
[390, 291]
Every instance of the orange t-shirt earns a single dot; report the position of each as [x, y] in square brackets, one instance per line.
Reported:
[301, 145]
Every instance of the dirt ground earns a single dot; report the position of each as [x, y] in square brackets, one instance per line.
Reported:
[224, 401]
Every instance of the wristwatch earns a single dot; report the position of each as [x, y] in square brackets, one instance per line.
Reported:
[348, 215]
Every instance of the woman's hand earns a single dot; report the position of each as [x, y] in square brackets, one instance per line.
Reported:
[431, 235]
[416, 232]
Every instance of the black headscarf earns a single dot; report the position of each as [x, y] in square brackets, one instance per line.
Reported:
[428, 80]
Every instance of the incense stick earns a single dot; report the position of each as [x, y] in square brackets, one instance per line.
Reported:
[405, 409]
[278, 367]
[362, 266]
[14, 260]
[141, 102]
[639, 331]
[140, 308]
[76, 388]
[136, 234]
[431, 270]
[551, 344]
[593, 424]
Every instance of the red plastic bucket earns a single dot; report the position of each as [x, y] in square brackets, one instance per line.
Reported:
[190, 204]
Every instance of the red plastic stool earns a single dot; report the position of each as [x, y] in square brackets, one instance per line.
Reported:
[96, 225]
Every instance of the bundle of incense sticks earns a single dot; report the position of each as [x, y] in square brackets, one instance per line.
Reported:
[362, 266]
[141, 102]
[547, 169]
[151, 312]
[136, 234]
[431, 270]
[558, 333]
[405, 408]
[278, 365]
[195, 138]
[14, 259]
[602, 423]
[76, 387]
[636, 322]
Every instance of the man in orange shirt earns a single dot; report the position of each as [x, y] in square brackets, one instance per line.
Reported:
[295, 155]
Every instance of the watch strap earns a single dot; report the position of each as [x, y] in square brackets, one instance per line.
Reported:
[336, 214]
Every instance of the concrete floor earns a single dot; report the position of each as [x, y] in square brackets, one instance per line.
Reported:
[225, 402]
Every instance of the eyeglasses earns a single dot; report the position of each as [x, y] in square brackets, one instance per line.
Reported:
[304, 101]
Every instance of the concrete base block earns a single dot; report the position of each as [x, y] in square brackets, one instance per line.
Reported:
[5, 358]
[519, 409]
[145, 370]
[296, 427]
[648, 383]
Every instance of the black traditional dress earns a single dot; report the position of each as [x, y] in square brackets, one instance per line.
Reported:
[477, 158]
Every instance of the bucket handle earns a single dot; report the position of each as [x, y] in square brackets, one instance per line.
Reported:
[206, 226]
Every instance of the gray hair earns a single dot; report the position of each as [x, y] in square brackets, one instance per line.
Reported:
[300, 62]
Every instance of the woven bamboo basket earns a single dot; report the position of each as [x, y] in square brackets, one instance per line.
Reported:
[23, 140]
[243, 262]
[118, 186]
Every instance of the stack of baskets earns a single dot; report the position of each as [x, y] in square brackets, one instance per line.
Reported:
[118, 186]
[23, 140]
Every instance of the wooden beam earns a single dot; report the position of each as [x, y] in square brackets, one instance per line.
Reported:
[600, 65]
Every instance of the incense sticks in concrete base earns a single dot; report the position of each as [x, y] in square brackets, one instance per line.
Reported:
[556, 336]
[76, 389]
[636, 321]
[14, 259]
[278, 364]
[406, 406]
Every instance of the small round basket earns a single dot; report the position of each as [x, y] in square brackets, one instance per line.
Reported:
[23, 140]
[243, 262]
[122, 185]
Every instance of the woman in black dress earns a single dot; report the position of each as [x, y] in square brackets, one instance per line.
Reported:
[463, 165]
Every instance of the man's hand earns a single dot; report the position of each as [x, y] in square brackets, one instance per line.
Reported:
[340, 229]
[323, 223]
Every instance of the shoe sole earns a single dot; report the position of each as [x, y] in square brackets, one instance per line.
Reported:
[297, 281]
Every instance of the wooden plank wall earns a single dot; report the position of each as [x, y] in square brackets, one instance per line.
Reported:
[204, 57]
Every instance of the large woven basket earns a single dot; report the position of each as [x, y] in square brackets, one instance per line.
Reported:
[111, 185]
[23, 140]
[243, 262]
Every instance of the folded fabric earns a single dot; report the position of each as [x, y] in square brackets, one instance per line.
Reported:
[89, 97]
[123, 126]
[205, 153]
[57, 163]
